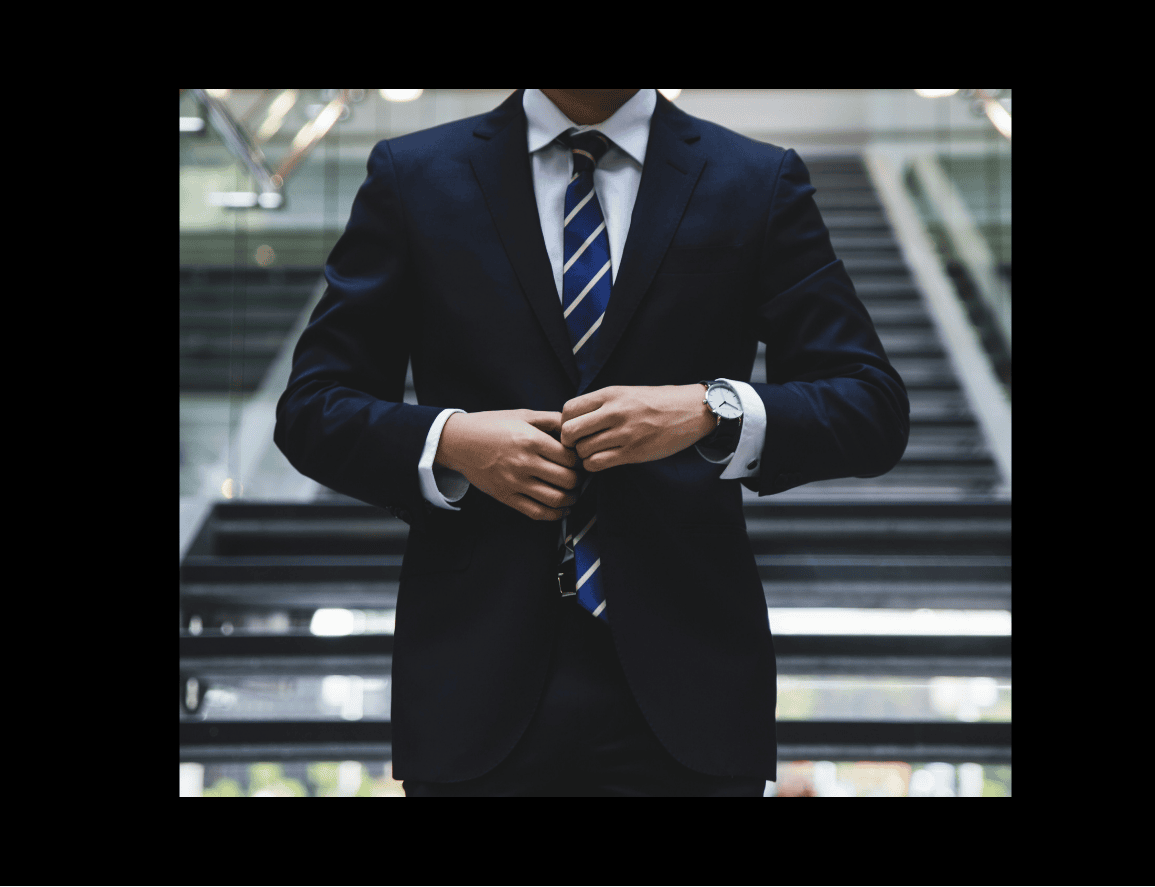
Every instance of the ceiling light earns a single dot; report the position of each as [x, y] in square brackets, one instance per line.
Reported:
[400, 95]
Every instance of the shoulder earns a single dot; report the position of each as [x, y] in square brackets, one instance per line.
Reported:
[451, 143]
[448, 141]
[729, 149]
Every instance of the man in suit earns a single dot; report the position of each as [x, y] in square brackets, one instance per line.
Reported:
[580, 279]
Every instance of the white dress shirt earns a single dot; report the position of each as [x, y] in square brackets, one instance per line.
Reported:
[616, 180]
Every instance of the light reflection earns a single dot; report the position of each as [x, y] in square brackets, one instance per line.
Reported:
[819, 620]
[276, 116]
[999, 116]
[345, 693]
[853, 697]
[400, 95]
[318, 127]
[963, 698]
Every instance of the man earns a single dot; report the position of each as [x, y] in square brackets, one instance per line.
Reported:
[580, 279]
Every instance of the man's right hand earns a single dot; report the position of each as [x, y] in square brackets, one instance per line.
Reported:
[515, 457]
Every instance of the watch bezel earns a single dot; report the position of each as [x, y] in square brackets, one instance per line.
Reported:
[722, 408]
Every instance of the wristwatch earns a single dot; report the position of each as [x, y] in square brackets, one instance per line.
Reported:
[724, 403]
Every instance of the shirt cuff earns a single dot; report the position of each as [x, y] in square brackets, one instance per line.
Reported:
[746, 460]
[440, 485]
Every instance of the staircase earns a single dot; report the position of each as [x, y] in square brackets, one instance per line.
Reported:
[233, 321]
[933, 533]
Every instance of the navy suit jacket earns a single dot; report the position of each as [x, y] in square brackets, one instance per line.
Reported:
[443, 264]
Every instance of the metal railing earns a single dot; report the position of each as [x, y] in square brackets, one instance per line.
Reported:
[246, 146]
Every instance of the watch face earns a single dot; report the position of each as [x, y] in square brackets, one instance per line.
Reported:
[725, 402]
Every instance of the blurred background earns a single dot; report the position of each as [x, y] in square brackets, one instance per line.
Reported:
[889, 598]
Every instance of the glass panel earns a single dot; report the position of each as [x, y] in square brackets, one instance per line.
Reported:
[853, 697]
[286, 696]
[962, 189]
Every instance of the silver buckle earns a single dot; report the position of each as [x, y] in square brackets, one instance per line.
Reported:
[561, 589]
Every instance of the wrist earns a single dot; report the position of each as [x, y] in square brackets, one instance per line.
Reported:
[446, 455]
[707, 422]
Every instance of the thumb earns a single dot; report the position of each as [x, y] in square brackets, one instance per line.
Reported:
[548, 422]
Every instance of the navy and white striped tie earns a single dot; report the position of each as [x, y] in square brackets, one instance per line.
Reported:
[586, 282]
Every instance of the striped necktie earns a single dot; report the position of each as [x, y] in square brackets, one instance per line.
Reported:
[586, 281]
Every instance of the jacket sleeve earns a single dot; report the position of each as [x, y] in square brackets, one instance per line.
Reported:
[835, 407]
[342, 420]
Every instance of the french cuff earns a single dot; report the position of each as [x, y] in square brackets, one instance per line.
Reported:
[440, 485]
[746, 460]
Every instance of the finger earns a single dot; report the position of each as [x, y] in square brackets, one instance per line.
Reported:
[586, 403]
[595, 443]
[532, 508]
[583, 426]
[548, 422]
[557, 453]
[557, 476]
[605, 459]
[549, 496]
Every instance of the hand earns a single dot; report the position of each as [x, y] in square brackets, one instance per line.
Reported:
[513, 456]
[624, 424]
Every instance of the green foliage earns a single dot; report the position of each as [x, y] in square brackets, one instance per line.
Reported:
[323, 775]
[993, 789]
[270, 779]
[223, 788]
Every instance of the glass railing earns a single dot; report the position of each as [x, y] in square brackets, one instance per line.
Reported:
[946, 185]
[960, 182]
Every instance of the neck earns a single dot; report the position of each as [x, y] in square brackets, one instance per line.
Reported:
[584, 106]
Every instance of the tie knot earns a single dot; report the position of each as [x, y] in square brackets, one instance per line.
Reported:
[588, 148]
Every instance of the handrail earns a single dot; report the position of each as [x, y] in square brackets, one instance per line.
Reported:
[246, 147]
[985, 393]
[969, 245]
[240, 145]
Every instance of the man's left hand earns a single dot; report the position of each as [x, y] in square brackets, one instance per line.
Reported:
[623, 424]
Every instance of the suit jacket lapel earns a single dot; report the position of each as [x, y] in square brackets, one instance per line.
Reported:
[503, 170]
[669, 174]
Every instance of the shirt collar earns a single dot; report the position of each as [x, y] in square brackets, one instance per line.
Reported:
[628, 128]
